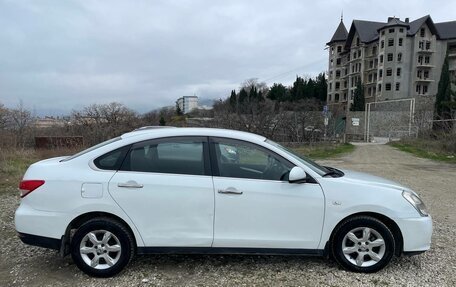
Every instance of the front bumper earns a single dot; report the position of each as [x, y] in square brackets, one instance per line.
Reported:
[416, 233]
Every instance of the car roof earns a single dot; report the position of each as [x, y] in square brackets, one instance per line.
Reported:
[171, 132]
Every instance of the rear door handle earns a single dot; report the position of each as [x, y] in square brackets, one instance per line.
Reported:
[130, 184]
[229, 191]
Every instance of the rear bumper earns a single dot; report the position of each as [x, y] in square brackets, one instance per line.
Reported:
[417, 233]
[40, 241]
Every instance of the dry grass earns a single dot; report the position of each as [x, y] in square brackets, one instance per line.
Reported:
[14, 163]
[440, 148]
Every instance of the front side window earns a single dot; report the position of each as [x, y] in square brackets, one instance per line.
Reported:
[240, 159]
[178, 155]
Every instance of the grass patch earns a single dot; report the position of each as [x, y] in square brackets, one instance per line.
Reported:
[14, 163]
[421, 149]
[324, 151]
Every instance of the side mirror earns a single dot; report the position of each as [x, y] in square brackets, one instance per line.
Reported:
[297, 175]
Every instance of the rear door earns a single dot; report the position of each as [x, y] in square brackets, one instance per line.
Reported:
[165, 187]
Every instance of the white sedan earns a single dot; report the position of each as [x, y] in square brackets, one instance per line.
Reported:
[196, 190]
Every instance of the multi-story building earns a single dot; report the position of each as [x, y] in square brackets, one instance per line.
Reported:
[187, 103]
[393, 60]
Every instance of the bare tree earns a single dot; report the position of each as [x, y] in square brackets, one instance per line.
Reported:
[20, 121]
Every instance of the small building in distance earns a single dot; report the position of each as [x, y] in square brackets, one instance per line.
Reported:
[187, 103]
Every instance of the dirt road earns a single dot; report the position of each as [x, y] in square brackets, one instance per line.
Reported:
[22, 265]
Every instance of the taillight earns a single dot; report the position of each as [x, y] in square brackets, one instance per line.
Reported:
[27, 186]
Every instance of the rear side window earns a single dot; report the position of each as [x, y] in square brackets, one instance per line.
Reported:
[112, 160]
[170, 155]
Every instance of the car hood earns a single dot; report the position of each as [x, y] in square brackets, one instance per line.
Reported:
[365, 178]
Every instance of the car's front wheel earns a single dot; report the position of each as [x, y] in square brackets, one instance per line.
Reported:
[102, 247]
[363, 244]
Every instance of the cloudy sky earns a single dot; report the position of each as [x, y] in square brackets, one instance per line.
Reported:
[56, 56]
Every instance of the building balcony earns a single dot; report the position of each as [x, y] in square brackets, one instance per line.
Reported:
[424, 65]
[452, 54]
[425, 51]
[371, 69]
[371, 83]
[423, 79]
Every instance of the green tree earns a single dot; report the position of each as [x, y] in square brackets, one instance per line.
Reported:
[162, 121]
[178, 110]
[233, 101]
[358, 99]
[445, 101]
[321, 87]
[278, 92]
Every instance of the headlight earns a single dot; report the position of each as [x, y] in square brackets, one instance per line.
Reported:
[416, 202]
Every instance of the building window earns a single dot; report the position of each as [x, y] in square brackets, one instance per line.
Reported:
[381, 58]
[425, 90]
[390, 57]
[399, 57]
[427, 59]
[338, 61]
[400, 41]
[380, 73]
[374, 50]
[337, 86]
[329, 98]
[428, 45]
[345, 96]
[330, 86]
[422, 32]
[391, 30]
[371, 64]
[337, 74]
[354, 55]
[383, 32]
[357, 41]
[336, 98]
[389, 72]
[418, 89]
[390, 42]
[398, 86]
[420, 59]
[388, 87]
[420, 45]
[426, 74]
[379, 88]
[398, 72]
[330, 74]
[339, 49]
[419, 73]
[382, 44]
[401, 30]
[345, 84]
[359, 53]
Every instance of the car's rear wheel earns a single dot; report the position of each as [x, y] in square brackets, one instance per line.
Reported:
[363, 244]
[102, 247]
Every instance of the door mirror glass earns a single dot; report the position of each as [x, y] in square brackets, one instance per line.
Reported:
[297, 175]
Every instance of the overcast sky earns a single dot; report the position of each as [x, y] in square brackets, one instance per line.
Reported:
[57, 55]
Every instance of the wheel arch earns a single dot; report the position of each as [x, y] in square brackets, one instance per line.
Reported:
[390, 223]
[81, 219]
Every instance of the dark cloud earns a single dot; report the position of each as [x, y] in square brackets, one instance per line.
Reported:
[59, 55]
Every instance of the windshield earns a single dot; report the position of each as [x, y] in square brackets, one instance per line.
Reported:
[91, 148]
[321, 170]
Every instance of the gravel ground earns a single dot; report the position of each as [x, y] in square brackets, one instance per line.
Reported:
[22, 265]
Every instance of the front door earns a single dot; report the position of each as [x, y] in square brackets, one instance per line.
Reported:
[256, 206]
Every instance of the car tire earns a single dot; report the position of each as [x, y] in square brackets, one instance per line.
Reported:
[363, 244]
[102, 247]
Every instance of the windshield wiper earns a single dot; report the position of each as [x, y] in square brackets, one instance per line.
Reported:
[333, 171]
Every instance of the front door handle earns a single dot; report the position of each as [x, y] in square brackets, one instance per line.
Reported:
[130, 184]
[229, 191]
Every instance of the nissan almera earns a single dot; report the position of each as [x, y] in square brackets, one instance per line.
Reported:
[198, 190]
